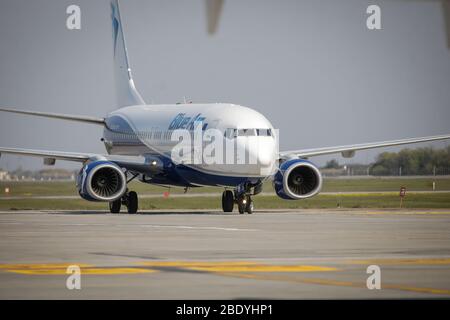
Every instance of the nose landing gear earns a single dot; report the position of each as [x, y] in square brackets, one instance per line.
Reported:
[245, 204]
[243, 200]
[249, 206]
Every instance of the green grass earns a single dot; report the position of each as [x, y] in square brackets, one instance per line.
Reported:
[67, 188]
[437, 200]
[360, 200]
[385, 184]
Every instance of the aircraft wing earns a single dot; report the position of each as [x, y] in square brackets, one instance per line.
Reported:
[70, 117]
[128, 162]
[348, 151]
[69, 156]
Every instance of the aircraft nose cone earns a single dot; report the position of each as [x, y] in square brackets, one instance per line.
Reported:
[261, 154]
[266, 154]
[265, 157]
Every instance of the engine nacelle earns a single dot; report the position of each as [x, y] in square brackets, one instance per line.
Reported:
[297, 179]
[101, 181]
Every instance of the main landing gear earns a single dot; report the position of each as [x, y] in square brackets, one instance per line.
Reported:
[129, 199]
[244, 202]
[227, 201]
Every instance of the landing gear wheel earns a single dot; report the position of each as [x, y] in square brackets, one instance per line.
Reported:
[227, 201]
[114, 206]
[242, 204]
[132, 202]
[249, 206]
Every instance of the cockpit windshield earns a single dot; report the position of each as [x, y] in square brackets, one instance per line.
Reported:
[264, 132]
[233, 133]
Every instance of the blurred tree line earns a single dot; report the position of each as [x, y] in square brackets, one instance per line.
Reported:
[421, 161]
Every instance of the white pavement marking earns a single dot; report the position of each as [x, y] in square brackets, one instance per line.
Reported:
[199, 228]
[129, 225]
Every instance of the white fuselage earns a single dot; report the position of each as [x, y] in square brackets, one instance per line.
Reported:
[149, 130]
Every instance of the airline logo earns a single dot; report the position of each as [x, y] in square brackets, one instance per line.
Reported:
[181, 121]
[115, 24]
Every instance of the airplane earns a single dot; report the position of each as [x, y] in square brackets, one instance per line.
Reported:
[138, 139]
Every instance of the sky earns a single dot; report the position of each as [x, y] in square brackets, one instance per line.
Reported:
[311, 67]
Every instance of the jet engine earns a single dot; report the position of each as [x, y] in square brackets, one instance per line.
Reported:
[101, 181]
[297, 179]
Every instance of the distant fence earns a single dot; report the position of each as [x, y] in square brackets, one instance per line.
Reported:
[437, 171]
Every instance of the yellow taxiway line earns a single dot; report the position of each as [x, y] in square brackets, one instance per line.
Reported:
[61, 269]
[237, 266]
[238, 269]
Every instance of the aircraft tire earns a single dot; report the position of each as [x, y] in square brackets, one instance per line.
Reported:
[132, 204]
[249, 206]
[114, 206]
[227, 201]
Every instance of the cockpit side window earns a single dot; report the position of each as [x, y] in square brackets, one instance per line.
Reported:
[230, 133]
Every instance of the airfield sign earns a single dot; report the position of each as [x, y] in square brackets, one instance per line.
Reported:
[402, 195]
[402, 192]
